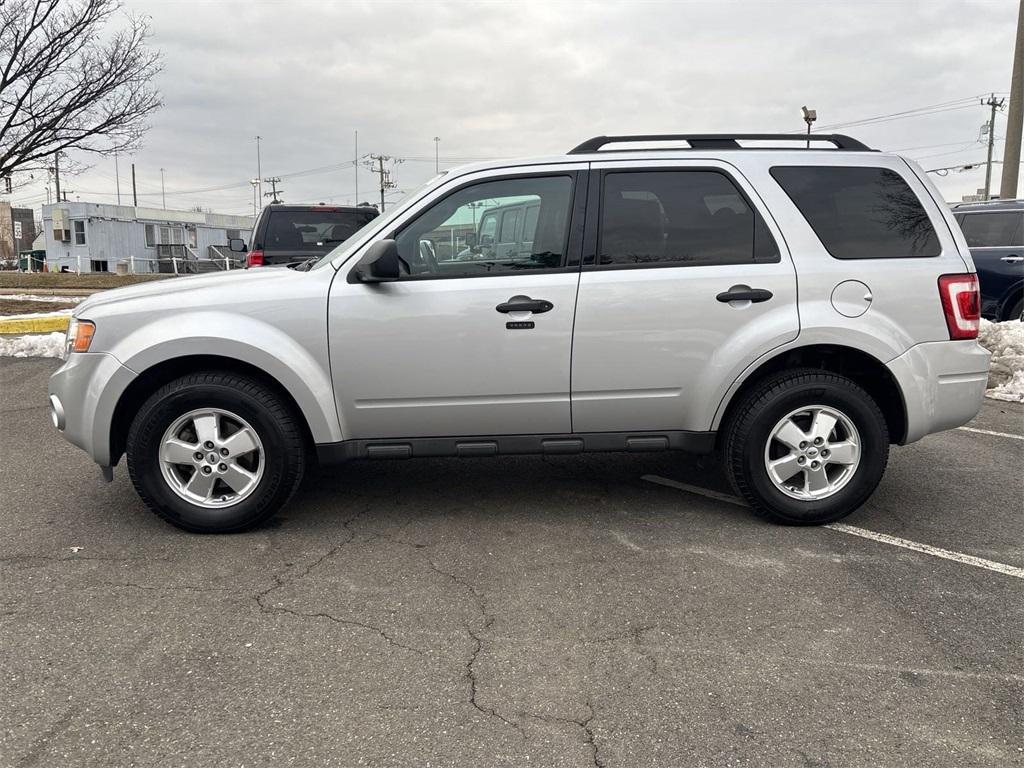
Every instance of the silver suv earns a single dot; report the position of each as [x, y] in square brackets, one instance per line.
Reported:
[795, 309]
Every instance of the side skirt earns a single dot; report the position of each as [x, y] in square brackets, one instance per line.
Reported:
[507, 445]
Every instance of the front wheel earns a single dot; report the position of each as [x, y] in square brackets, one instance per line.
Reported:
[215, 452]
[806, 447]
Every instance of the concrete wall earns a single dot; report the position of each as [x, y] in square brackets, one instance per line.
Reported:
[115, 233]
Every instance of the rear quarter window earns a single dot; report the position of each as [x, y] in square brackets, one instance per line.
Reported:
[860, 213]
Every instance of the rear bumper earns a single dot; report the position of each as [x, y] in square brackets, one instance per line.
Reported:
[943, 384]
[83, 394]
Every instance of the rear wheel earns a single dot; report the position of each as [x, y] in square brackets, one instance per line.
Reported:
[1016, 311]
[215, 452]
[806, 447]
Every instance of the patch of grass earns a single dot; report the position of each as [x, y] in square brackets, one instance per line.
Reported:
[15, 307]
[30, 280]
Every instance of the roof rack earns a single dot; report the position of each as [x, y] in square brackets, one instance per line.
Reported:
[718, 140]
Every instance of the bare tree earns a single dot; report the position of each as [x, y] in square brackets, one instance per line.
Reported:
[68, 82]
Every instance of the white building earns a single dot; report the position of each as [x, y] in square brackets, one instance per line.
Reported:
[96, 237]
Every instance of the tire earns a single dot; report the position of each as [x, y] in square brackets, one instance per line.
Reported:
[1016, 311]
[241, 411]
[800, 396]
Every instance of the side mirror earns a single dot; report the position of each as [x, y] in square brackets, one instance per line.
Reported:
[380, 264]
[471, 240]
[236, 245]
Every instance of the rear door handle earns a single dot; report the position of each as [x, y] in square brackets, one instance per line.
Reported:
[745, 294]
[525, 304]
[1012, 259]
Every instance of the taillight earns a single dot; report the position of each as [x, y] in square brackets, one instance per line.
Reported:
[254, 259]
[961, 303]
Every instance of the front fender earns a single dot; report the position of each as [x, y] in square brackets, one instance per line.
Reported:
[299, 364]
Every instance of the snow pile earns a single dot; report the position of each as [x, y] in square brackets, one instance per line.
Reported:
[33, 297]
[30, 315]
[33, 345]
[1006, 343]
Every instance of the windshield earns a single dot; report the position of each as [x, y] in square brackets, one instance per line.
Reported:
[356, 236]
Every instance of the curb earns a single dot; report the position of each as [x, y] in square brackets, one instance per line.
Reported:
[35, 325]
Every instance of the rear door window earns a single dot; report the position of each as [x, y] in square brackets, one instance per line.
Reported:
[679, 218]
[860, 213]
[998, 229]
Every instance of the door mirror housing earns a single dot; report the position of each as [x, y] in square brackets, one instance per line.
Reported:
[471, 240]
[236, 245]
[380, 264]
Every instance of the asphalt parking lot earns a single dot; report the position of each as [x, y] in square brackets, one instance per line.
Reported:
[514, 611]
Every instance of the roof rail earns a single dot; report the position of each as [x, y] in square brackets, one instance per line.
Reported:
[718, 140]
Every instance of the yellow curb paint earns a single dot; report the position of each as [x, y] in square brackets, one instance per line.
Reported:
[35, 324]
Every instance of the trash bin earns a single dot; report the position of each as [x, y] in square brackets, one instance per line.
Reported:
[37, 258]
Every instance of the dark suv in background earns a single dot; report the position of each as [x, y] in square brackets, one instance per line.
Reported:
[290, 234]
[995, 234]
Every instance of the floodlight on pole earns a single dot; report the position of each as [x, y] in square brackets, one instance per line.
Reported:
[810, 115]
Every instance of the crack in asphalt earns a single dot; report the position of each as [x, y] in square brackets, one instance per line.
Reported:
[589, 737]
[280, 581]
[469, 670]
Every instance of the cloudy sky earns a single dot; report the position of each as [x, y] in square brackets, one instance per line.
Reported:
[500, 79]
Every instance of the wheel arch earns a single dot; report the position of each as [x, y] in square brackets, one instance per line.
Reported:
[159, 374]
[867, 371]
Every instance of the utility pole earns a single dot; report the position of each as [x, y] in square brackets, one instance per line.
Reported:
[1015, 117]
[163, 194]
[135, 197]
[56, 173]
[437, 143]
[994, 103]
[355, 162]
[117, 179]
[259, 171]
[376, 164]
[273, 181]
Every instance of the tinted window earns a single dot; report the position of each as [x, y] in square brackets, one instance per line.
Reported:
[679, 218]
[468, 219]
[860, 213]
[993, 230]
[312, 231]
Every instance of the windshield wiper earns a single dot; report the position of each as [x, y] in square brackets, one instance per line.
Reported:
[305, 266]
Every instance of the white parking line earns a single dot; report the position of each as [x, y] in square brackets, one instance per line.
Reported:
[864, 533]
[928, 549]
[990, 432]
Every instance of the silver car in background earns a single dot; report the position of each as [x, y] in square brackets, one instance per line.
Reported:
[796, 310]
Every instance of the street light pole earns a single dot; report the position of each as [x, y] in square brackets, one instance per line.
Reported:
[163, 195]
[810, 115]
[437, 143]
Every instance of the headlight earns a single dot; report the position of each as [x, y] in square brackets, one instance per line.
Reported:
[79, 336]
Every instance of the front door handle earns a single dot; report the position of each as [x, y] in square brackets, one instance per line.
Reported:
[1012, 259]
[744, 294]
[525, 304]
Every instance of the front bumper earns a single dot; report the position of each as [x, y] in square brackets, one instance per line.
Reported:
[83, 394]
[943, 385]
